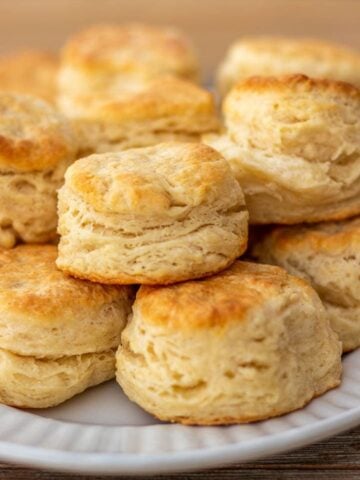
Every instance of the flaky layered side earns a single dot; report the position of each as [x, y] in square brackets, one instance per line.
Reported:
[28, 205]
[165, 109]
[58, 335]
[294, 146]
[328, 256]
[280, 56]
[154, 215]
[37, 144]
[247, 344]
[31, 382]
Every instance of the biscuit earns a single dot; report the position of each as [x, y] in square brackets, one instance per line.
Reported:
[280, 56]
[247, 344]
[30, 72]
[58, 335]
[29, 382]
[37, 144]
[328, 256]
[113, 58]
[166, 109]
[294, 146]
[159, 214]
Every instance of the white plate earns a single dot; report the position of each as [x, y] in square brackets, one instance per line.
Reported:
[102, 432]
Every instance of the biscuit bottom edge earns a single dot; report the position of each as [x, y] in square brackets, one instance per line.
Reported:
[229, 420]
[189, 421]
[30, 382]
[125, 279]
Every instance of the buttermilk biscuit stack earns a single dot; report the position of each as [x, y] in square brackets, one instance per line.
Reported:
[174, 212]
[57, 335]
[161, 197]
[293, 143]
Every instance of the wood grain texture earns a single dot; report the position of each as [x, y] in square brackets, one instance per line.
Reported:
[337, 458]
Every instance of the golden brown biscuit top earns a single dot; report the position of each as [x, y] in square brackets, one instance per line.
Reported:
[214, 301]
[328, 238]
[306, 48]
[29, 72]
[33, 136]
[132, 48]
[164, 179]
[294, 84]
[163, 98]
[31, 283]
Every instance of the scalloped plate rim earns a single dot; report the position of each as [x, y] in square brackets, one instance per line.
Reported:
[167, 462]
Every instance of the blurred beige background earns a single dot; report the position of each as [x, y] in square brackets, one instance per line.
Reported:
[212, 24]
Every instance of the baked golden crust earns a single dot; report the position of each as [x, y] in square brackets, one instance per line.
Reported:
[57, 334]
[33, 136]
[212, 302]
[162, 110]
[162, 98]
[297, 83]
[46, 313]
[148, 180]
[323, 238]
[30, 72]
[133, 48]
[30, 282]
[279, 56]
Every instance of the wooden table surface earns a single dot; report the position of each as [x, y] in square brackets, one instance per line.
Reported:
[337, 458]
[212, 24]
